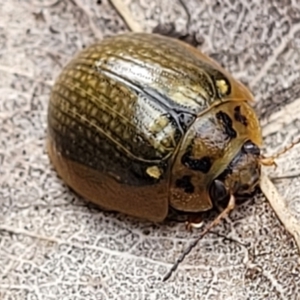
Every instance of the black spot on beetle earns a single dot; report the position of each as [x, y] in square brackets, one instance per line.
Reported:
[185, 183]
[227, 123]
[239, 117]
[203, 164]
[185, 119]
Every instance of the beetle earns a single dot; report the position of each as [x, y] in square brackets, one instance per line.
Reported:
[140, 122]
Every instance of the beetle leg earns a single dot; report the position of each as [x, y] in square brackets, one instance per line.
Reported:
[169, 30]
[215, 222]
[194, 221]
[270, 161]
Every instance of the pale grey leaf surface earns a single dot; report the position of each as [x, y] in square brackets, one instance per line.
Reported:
[53, 245]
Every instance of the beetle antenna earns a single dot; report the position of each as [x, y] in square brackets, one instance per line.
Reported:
[215, 222]
[270, 161]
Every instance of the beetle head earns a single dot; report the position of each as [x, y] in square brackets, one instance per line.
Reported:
[241, 175]
[219, 156]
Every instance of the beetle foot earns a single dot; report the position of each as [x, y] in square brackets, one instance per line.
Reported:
[268, 162]
[194, 221]
[166, 30]
[170, 31]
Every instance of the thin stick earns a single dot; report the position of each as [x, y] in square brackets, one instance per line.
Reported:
[126, 15]
[214, 223]
[287, 148]
[270, 161]
[278, 204]
[287, 176]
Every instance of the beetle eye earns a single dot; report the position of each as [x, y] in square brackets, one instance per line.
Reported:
[218, 191]
[250, 147]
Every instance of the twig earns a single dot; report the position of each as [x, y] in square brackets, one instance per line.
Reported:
[277, 202]
[183, 4]
[126, 15]
[51, 3]
[286, 176]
